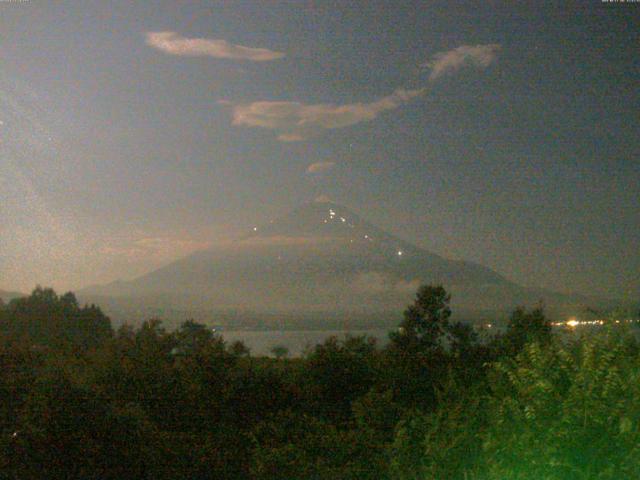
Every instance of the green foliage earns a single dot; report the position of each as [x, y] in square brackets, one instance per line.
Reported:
[444, 443]
[293, 446]
[336, 373]
[280, 351]
[78, 402]
[45, 319]
[65, 431]
[554, 411]
[566, 411]
[378, 412]
[425, 322]
[525, 327]
[417, 358]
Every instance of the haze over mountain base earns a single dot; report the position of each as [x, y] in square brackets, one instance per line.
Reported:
[319, 261]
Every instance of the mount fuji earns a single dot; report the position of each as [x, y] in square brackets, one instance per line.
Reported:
[323, 258]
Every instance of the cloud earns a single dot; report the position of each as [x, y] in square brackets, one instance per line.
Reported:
[320, 167]
[291, 137]
[298, 121]
[480, 56]
[175, 44]
[170, 244]
[150, 247]
[282, 241]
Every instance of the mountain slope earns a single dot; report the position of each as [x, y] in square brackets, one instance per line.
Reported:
[322, 257]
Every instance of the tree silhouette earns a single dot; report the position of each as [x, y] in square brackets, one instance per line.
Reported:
[44, 319]
[280, 351]
[426, 321]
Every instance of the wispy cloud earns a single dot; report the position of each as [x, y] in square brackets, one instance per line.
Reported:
[480, 56]
[320, 167]
[298, 121]
[175, 44]
[151, 247]
[281, 241]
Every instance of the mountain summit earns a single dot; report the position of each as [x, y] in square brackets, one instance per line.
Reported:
[337, 225]
[315, 218]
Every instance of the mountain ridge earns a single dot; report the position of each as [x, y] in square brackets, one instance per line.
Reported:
[323, 256]
[6, 296]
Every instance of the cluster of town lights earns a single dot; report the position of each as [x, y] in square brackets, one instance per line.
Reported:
[573, 322]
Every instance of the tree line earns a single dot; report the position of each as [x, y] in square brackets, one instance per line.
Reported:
[82, 401]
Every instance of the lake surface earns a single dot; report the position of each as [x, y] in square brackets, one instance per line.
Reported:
[260, 342]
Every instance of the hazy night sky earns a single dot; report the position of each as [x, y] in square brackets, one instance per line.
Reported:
[506, 136]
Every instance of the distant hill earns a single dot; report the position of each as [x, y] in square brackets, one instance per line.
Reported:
[7, 296]
[322, 257]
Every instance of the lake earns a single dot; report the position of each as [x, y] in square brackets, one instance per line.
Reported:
[260, 342]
